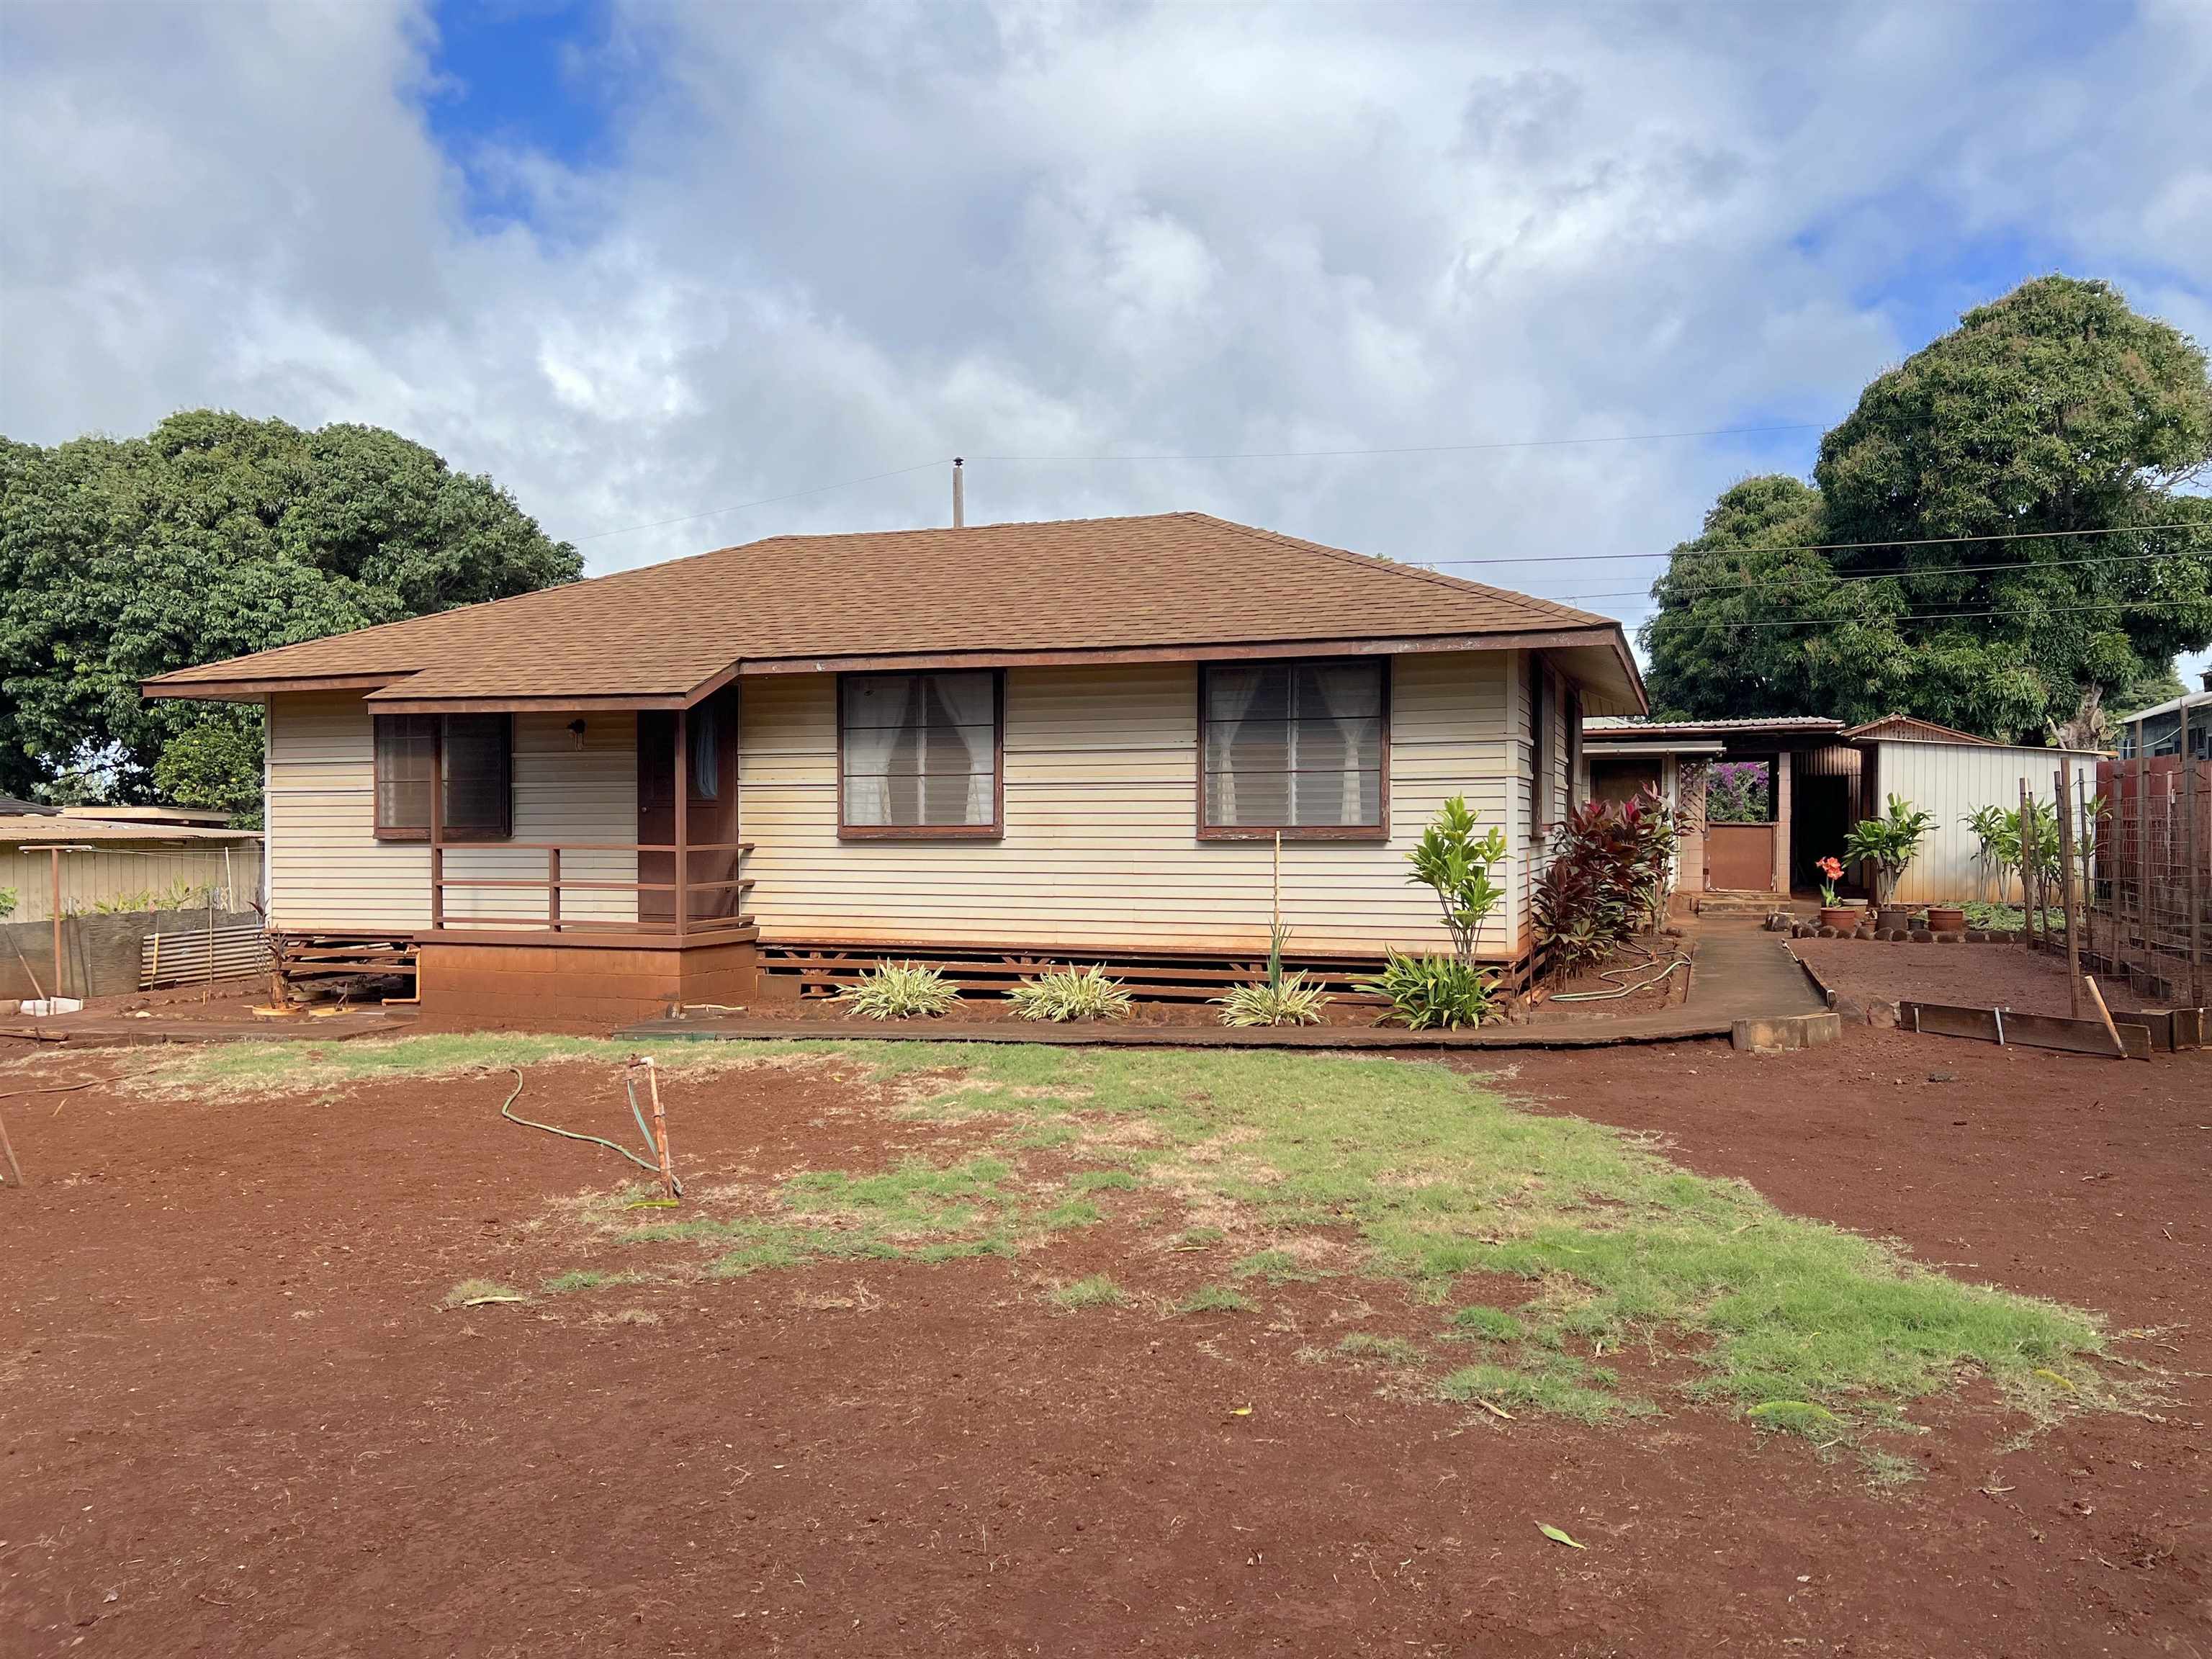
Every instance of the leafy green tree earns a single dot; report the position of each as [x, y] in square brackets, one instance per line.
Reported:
[216, 763]
[212, 536]
[2055, 408]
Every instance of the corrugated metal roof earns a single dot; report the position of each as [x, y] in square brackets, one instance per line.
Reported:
[38, 830]
[1780, 723]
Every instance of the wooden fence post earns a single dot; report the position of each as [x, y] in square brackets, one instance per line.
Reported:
[2030, 910]
[2064, 780]
[2192, 855]
[2142, 839]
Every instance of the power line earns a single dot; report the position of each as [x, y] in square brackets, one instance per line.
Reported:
[1891, 575]
[1423, 449]
[1948, 616]
[1817, 547]
[765, 501]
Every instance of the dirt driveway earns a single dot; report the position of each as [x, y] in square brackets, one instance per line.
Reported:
[235, 1418]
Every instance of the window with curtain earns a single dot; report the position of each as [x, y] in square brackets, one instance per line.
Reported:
[478, 750]
[920, 754]
[1294, 746]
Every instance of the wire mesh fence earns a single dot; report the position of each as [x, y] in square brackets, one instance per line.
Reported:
[2149, 880]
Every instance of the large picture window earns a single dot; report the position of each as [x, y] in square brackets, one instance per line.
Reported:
[1298, 747]
[918, 754]
[477, 755]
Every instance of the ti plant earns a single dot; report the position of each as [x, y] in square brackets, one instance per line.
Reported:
[1888, 844]
[1453, 863]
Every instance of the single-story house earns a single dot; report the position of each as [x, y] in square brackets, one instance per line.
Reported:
[1822, 777]
[1085, 740]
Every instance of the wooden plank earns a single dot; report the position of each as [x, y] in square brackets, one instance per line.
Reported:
[2079, 1037]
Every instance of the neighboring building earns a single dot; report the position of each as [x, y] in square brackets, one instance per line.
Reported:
[1073, 740]
[131, 865]
[1822, 778]
[2157, 731]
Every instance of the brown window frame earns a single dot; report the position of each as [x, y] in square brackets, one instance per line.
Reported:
[1378, 831]
[447, 832]
[1539, 679]
[994, 830]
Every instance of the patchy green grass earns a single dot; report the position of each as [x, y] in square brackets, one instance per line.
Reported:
[1215, 1299]
[1397, 1353]
[1395, 1169]
[1096, 1291]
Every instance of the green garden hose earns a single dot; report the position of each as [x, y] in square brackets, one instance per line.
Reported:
[507, 1111]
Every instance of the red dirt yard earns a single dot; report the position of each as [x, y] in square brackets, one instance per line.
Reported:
[237, 1420]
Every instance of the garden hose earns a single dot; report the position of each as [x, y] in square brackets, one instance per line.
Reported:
[1623, 990]
[506, 1110]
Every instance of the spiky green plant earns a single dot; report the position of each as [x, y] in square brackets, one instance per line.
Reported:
[1284, 999]
[899, 990]
[1071, 994]
[1429, 993]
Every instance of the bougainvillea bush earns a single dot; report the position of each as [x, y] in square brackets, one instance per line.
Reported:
[1737, 792]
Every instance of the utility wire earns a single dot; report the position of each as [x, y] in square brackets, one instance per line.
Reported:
[1891, 575]
[2047, 612]
[1423, 449]
[1817, 547]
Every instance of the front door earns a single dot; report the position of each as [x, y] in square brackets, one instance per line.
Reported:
[713, 819]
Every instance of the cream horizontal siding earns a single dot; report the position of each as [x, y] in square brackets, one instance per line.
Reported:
[1100, 850]
[1953, 781]
[146, 877]
[327, 870]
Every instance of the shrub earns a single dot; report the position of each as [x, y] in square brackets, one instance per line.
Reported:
[1434, 992]
[1071, 994]
[899, 990]
[7, 902]
[1611, 871]
[1888, 844]
[1737, 792]
[1282, 1000]
[1456, 866]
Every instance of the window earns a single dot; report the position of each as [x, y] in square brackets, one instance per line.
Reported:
[918, 754]
[705, 759]
[1298, 747]
[477, 752]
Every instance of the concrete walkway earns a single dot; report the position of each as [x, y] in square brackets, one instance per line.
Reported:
[1745, 986]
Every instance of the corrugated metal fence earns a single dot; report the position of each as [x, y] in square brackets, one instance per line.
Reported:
[194, 955]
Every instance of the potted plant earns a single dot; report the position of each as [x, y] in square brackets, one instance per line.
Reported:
[1887, 845]
[1947, 919]
[1834, 913]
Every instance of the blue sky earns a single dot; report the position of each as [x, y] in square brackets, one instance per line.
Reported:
[643, 260]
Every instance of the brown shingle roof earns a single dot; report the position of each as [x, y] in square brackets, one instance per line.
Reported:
[1177, 580]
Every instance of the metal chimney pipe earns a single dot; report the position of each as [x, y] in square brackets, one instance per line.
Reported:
[959, 498]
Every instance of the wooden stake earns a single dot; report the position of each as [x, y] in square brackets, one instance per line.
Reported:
[58, 923]
[2097, 1001]
[2064, 779]
[660, 1129]
[2031, 912]
[8, 1147]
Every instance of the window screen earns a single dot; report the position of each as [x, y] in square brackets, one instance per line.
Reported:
[1293, 745]
[478, 804]
[920, 751]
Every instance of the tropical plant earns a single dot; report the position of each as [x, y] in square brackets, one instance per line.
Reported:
[1889, 844]
[1610, 874]
[1434, 993]
[1832, 872]
[899, 990]
[1280, 999]
[1287, 1000]
[1455, 865]
[7, 902]
[1061, 994]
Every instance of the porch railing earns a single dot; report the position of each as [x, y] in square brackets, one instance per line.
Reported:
[670, 895]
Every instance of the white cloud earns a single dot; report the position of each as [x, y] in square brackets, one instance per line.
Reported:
[833, 242]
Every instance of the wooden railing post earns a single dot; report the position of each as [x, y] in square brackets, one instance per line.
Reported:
[553, 888]
[681, 772]
[437, 823]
